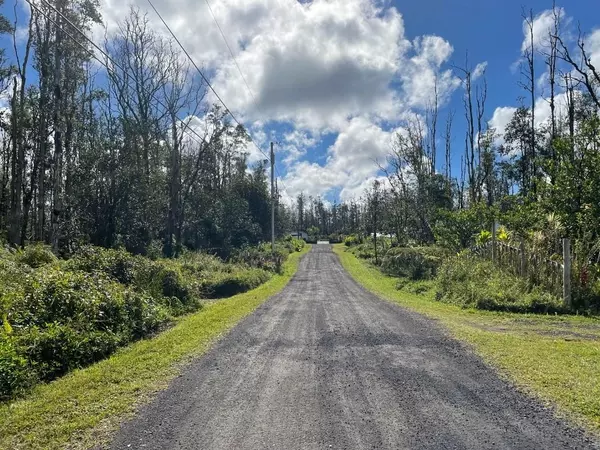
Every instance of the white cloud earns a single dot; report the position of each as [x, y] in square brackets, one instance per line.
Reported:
[296, 144]
[351, 160]
[543, 26]
[479, 71]
[422, 72]
[325, 66]
[593, 46]
[354, 192]
[500, 120]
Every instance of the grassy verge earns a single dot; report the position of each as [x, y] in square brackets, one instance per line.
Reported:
[556, 358]
[82, 408]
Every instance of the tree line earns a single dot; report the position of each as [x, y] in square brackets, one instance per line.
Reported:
[539, 178]
[110, 150]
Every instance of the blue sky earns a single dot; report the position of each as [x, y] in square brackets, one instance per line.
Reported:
[332, 80]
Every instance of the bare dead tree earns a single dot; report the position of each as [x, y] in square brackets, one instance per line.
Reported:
[448, 146]
[432, 114]
[481, 98]
[587, 74]
[529, 84]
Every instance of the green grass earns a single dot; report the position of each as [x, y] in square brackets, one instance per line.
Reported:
[556, 358]
[83, 408]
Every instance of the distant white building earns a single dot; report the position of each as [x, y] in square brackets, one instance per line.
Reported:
[299, 235]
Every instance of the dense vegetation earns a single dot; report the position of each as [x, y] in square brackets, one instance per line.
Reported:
[125, 174]
[114, 195]
[120, 158]
[464, 279]
[58, 315]
[538, 179]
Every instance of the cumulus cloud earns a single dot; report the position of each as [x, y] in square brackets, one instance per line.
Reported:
[543, 26]
[351, 161]
[421, 74]
[593, 45]
[319, 67]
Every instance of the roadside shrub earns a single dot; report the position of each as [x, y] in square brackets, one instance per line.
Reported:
[198, 262]
[15, 375]
[162, 279]
[261, 257]
[117, 264]
[56, 316]
[227, 284]
[85, 302]
[294, 244]
[352, 240]
[335, 238]
[411, 263]
[35, 256]
[145, 316]
[475, 283]
[91, 301]
[57, 349]
[415, 287]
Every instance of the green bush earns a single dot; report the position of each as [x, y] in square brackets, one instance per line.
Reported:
[57, 349]
[144, 315]
[117, 264]
[262, 257]
[228, 284]
[294, 244]
[58, 317]
[162, 279]
[35, 256]
[166, 279]
[15, 374]
[415, 263]
[475, 283]
[53, 295]
[352, 240]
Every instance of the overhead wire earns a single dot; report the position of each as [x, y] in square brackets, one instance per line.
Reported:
[93, 55]
[129, 76]
[230, 51]
[203, 76]
[209, 84]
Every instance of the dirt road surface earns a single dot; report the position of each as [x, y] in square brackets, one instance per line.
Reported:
[327, 365]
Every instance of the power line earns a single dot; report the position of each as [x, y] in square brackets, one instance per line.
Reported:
[238, 67]
[206, 80]
[230, 51]
[93, 55]
[204, 77]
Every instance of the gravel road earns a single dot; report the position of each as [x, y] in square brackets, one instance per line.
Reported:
[326, 365]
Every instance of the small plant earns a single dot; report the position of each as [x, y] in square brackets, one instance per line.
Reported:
[483, 237]
[352, 240]
[503, 235]
[35, 256]
[411, 263]
[15, 373]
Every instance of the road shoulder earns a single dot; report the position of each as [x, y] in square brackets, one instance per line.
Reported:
[84, 408]
[555, 359]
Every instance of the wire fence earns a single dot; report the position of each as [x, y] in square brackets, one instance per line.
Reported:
[518, 260]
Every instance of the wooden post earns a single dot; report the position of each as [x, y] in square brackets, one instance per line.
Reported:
[494, 244]
[272, 199]
[522, 256]
[567, 272]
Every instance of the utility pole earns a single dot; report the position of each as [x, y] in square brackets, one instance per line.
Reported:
[272, 199]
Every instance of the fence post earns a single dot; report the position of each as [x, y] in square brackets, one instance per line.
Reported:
[494, 249]
[567, 272]
[522, 255]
